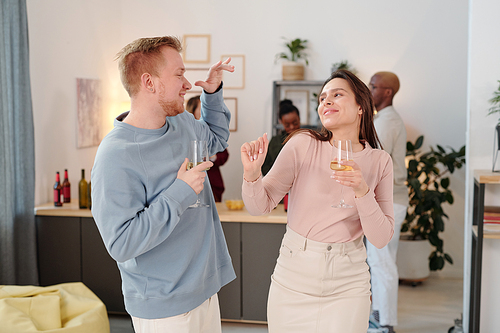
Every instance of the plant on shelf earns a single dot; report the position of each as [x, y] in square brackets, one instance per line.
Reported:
[296, 49]
[344, 64]
[428, 188]
[496, 103]
[293, 69]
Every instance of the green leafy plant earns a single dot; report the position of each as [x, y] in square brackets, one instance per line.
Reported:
[296, 49]
[496, 103]
[428, 188]
[344, 64]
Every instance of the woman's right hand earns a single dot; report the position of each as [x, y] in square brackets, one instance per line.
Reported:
[253, 155]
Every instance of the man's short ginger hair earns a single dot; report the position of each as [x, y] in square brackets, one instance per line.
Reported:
[141, 56]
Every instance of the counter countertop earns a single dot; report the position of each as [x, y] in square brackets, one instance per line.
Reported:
[278, 215]
[487, 177]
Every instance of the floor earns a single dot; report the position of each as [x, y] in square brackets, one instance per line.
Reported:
[430, 307]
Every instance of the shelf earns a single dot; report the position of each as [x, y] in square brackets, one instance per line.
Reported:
[299, 83]
[489, 231]
[487, 177]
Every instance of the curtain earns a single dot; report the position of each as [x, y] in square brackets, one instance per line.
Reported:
[18, 264]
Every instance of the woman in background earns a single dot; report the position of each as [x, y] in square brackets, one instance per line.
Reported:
[193, 106]
[289, 117]
[321, 282]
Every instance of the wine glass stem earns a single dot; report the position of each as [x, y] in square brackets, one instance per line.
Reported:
[342, 194]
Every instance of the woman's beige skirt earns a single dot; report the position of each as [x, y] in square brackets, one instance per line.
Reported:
[319, 287]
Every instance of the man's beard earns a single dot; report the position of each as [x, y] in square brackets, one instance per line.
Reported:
[171, 108]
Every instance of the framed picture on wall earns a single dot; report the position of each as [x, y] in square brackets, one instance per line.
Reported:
[232, 105]
[196, 74]
[300, 98]
[196, 49]
[89, 110]
[235, 80]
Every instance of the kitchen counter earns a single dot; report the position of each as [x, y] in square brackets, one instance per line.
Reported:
[278, 215]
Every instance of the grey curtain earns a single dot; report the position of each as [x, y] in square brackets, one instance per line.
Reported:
[17, 154]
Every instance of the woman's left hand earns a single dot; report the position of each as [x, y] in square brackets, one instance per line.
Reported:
[353, 178]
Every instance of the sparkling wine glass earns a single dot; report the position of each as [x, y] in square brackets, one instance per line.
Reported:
[341, 151]
[198, 153]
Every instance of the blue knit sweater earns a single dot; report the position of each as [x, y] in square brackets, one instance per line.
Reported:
[171, 258]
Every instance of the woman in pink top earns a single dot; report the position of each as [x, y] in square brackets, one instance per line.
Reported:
[321, 281]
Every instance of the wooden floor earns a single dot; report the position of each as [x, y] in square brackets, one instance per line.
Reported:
[430, 307]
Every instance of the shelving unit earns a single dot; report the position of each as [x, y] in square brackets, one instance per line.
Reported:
[481, 179]
[280, 89]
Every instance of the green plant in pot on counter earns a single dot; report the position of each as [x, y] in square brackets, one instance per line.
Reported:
[428, 185]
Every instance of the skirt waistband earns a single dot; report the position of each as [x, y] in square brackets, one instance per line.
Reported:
[315, 246]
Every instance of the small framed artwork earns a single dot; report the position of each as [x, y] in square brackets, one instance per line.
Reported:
[300, 98]
[196, 74]
[89, 110]
[232, 105]
[196, 49]
[235, 80]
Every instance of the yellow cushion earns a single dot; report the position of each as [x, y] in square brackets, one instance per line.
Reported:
[66, 307]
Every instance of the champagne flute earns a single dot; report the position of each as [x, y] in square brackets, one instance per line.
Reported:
[341, 151]
[198, 153]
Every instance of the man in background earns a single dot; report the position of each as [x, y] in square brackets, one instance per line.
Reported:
[172, 259]
[392, 134]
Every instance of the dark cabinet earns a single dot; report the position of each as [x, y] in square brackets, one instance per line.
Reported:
[254, 248]
[230, 294]
[70, 249]
[99, 271]
[59, 249]
[260, 249]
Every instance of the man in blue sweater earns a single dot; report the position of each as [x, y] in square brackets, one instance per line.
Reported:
[173, 259]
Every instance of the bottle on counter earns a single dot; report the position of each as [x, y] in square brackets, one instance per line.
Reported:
[66, 188]
[83, 192]
[58, 191]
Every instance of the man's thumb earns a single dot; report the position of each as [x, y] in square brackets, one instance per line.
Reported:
[183, 167]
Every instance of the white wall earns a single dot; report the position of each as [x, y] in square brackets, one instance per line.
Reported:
[484, 72]
[424, 42]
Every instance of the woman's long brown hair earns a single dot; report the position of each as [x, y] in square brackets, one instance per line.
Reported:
[363, 98]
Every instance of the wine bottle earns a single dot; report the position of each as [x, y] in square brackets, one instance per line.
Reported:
[57, 191]
[66, 187]
[83, 192]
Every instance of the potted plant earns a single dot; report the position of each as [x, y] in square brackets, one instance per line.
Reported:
[344, 64]
[428, 186]
[293, 69]
[496, 109]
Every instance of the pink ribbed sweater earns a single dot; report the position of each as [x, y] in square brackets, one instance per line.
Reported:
[303, 169]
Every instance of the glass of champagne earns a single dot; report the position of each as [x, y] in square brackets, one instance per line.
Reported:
[198, 153]
[341, 151]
